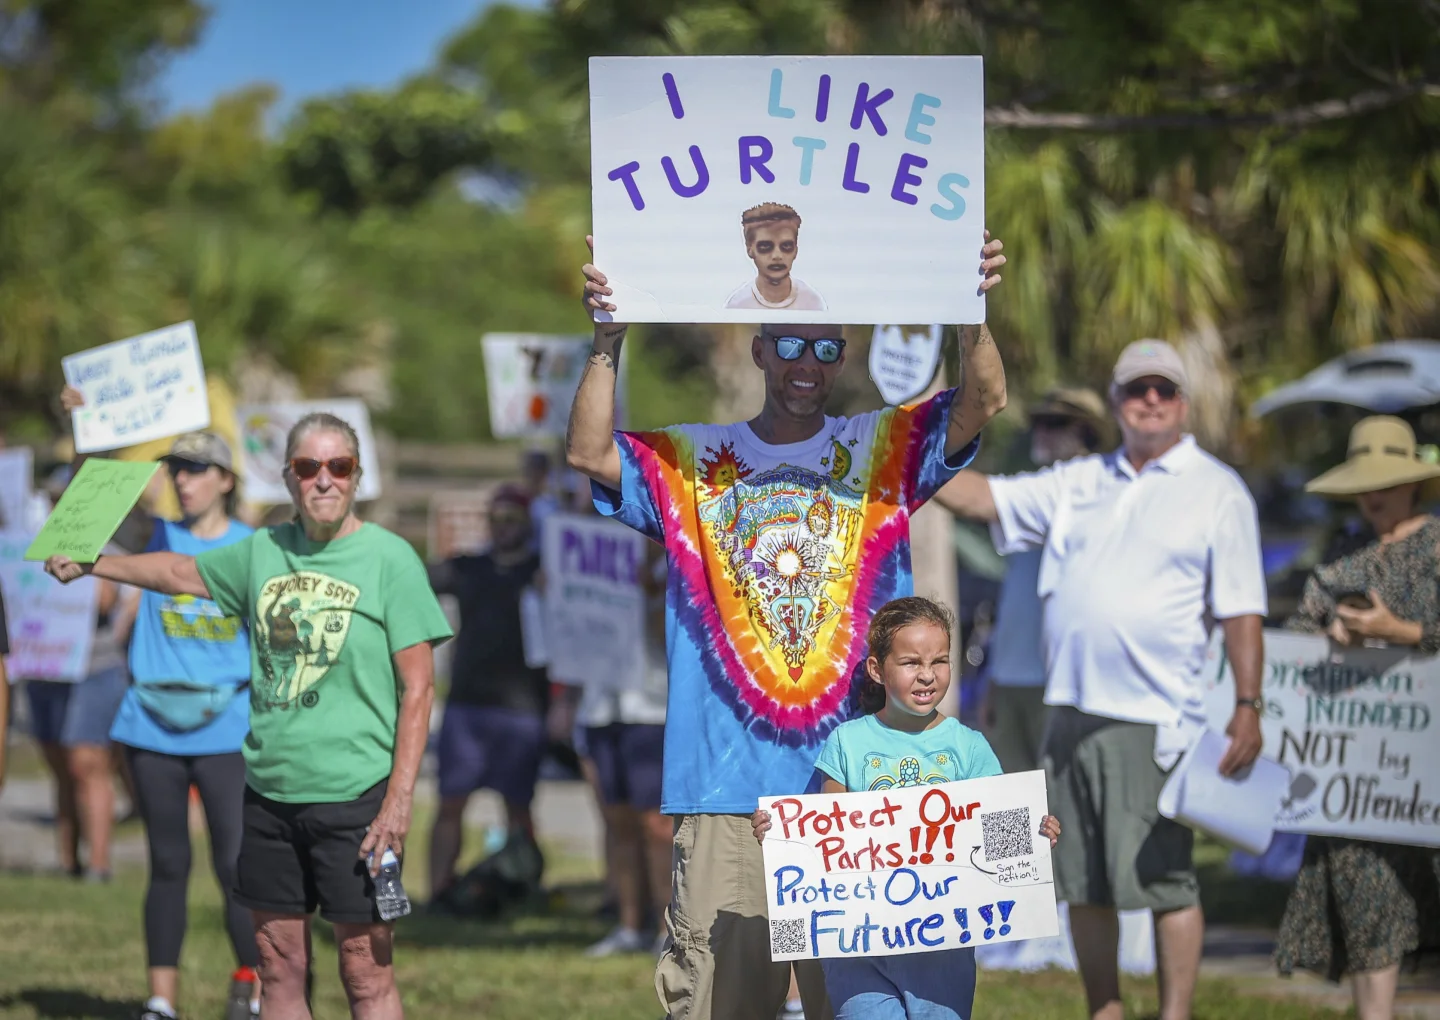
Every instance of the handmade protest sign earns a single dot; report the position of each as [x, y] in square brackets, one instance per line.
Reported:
[594, 606]
[789, 189]
[910, 869]
[903, 360]
[147, 387]
[264, 428]
[1356, 728]
[16, 470]
[51, 625]
[530, 381]
[91, 509]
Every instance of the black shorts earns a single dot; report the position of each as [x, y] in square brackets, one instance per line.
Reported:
[295, 857]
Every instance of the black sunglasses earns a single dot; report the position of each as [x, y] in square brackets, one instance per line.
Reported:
[190, 467]
[1140, 389]
[306, 468]
[827, 350]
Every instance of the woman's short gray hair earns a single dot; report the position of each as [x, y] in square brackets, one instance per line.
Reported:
[320, 421]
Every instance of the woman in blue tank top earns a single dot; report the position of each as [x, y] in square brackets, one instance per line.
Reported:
[183, 721]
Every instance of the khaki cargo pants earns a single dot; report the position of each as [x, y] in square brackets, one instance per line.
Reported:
[717, 965]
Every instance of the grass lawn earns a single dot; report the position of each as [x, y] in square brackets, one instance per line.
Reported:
[74, 952]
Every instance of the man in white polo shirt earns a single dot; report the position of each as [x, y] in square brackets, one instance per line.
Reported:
[1143, 549]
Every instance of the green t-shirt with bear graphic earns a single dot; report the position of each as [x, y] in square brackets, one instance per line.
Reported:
[325, 620]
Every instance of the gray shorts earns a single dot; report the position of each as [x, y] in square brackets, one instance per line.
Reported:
[1115, 849]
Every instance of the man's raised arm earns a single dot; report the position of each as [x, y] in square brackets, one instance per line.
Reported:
[968, 495]
[590, 440]
[982, 373]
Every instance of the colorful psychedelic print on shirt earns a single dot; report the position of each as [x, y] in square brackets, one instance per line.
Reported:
[779, 555]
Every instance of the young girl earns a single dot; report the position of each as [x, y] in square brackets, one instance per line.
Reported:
[904, 741]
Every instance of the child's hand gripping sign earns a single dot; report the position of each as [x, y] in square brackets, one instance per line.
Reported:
[909, 869]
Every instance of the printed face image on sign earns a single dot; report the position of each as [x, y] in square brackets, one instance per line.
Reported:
[301, 621]
[858, 182]
[772, 240]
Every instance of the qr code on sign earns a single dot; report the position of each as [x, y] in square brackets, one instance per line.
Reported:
[787, 935]
[1006, 834]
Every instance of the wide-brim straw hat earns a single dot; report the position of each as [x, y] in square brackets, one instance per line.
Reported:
[1382, 454]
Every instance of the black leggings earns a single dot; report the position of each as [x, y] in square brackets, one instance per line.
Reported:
[162, 788]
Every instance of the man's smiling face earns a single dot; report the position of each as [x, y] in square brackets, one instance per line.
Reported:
[800, 387]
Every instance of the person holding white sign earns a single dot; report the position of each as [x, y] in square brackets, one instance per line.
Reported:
[1143, 549]
[903, 742]
[784, 534]
[1359, 906]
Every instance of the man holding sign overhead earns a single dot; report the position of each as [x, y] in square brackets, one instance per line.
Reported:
[784, 534]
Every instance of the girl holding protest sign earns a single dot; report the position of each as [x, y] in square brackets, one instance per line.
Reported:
[183, 721]
[908, 674]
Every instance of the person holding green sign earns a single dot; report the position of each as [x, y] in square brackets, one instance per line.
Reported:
[342, 622]
[183, 720]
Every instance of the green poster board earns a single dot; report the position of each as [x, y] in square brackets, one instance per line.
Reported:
[91, 509]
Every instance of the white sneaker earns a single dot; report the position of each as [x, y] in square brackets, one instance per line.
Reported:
[621, 940]
[792, 1011]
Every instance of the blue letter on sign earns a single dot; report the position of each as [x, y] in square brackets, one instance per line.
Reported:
[867, 105]
[947, 187]
[702, 175]
[919, 118]
[753, 162]
[777, 78]
[904, 178]
[626, 174]
[807, 156]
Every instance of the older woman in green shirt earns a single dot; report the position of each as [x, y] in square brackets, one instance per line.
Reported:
[342, 622]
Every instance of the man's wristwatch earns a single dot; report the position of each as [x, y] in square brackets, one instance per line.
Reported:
[1258, 704]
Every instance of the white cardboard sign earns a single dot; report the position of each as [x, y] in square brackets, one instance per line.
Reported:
[530, 380]
[903, 360]
[147, 387]
[909, 869]
[789, 189]
[1357, 729]
[16, 471]
[594, 607]
[263, 430]
[51, 625]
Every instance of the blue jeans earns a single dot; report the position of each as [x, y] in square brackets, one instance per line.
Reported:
[911, 986]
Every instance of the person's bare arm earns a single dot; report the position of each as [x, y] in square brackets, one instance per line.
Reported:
[968, 495]
[123, 621]
[1245, 648]
[833, 786]
[982, 372]
[170, 573]
[589, 439]
[415, 671]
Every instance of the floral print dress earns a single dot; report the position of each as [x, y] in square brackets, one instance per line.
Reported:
[1359, 905]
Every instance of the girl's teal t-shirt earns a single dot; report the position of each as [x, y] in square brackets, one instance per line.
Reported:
[325, 620]
[865, 754]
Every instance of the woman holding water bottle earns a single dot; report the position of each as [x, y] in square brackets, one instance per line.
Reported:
[342, 622]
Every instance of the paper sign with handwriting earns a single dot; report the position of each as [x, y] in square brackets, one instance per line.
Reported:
[51, 625]
[530, 382]
[91, 509]
[594, 607]
[789, 189]
[1357, 729]
[148, 387]
[16, 469]
[909, 869]
[263, 429]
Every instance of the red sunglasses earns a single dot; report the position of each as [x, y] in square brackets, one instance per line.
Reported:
[306, 468]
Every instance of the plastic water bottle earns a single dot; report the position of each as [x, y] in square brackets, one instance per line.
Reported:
[390, 898]
[242, 988]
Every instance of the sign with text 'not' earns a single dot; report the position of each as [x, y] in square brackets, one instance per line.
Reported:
[909, 869]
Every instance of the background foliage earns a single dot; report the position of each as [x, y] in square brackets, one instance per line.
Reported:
[1259, 181]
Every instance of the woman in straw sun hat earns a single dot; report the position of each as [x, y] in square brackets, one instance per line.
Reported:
[1360, 907]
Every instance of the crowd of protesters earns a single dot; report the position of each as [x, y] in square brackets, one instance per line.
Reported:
[211, 642]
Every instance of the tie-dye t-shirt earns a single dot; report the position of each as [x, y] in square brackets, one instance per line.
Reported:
[779, 555]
